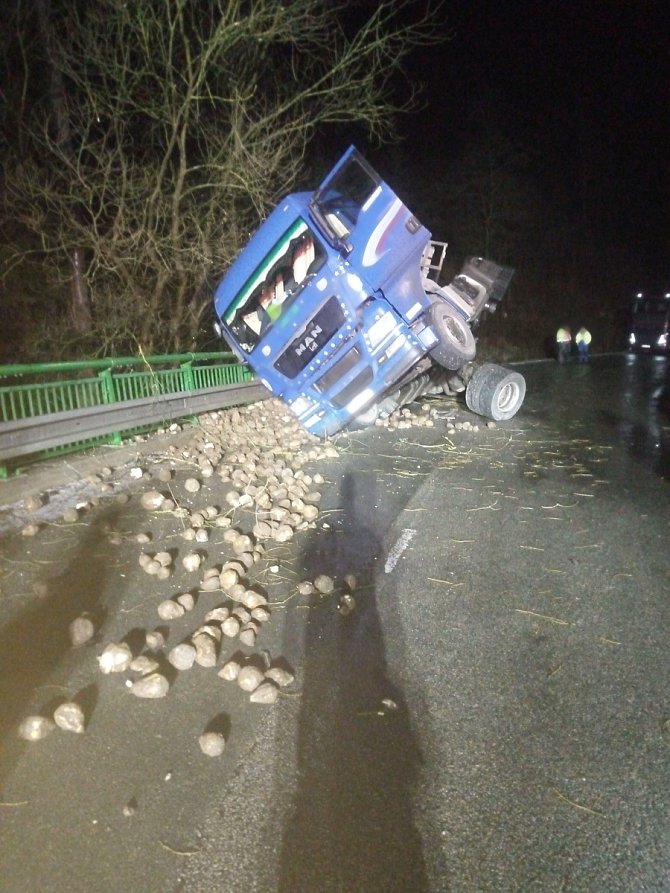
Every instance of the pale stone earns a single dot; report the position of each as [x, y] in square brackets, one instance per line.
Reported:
[205, 650]
[266, 693]
[32, 503]
[70, 717]
[152, 686]
[230, 670]
[249, 678]
[186, 600]
[324, 584]
[279, 675]
[81, 631]
[170, 610]
[212, 744]
[182, 656]
[252, 599]
[218, 614]
[152, 500]
[144, 664]
[230, 627]
[35, 727]
[115, 658]
[155, 640]
[228, 578]
[248, 636]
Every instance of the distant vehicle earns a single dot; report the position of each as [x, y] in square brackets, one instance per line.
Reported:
[335, 304]
[650, 324]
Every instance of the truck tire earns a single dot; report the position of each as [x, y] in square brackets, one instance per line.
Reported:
[456, 343]
[408, 393]
[495, 392]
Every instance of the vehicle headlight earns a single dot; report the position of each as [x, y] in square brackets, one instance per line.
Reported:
[662, 340]
[360, 400]
[301, 405]
[393, 347]
[631, 338]
[380, 329]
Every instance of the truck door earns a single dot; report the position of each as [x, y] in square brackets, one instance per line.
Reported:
[363, 218]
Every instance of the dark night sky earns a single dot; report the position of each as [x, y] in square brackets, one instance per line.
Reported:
[585, 84]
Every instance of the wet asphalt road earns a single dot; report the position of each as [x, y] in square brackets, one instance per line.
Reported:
[493, 716]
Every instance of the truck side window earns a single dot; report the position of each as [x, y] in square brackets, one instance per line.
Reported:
[339, 203]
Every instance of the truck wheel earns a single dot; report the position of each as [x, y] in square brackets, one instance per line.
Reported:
[495, 392]
[456, 345]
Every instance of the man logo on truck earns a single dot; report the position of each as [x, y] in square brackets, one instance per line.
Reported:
[311, 341]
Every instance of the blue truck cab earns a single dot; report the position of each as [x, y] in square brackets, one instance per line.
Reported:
[332, 305]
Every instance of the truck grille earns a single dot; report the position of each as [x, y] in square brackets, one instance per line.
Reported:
[346, 395]
[339, 370]
[318, 332]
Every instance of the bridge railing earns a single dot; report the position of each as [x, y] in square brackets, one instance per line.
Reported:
[41, 389]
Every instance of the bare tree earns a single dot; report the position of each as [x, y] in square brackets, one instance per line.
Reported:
[186, 121]
[80, 308]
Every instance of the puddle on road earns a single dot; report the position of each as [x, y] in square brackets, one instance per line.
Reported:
[68, 579]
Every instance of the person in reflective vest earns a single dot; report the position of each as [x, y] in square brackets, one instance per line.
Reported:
[583, 340]
[563, 344]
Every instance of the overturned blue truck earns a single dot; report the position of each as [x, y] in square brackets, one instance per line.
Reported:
[335, 304]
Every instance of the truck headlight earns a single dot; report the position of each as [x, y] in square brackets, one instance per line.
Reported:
[301, 405]
[393, 347]
[360, 400]
[380, 329]
[631, 338]
[662, 340]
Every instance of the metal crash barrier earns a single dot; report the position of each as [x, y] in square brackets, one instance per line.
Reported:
[38, 400]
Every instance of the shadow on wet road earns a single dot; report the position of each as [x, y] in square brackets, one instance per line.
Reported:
[352, 826]
[34, 642]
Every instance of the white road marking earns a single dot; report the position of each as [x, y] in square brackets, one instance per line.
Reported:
[395, 553]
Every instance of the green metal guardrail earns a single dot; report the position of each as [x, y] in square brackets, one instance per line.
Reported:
[28, 390]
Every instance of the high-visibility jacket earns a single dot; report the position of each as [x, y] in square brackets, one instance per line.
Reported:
[583, 336]
[563, 336]
[273, 310]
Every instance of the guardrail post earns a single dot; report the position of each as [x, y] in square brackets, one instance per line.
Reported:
[187, 376]
[109, 396]
[188, 379]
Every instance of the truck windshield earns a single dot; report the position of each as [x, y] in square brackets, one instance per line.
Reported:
[652, 307]
[282, 274]
[339, 203]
